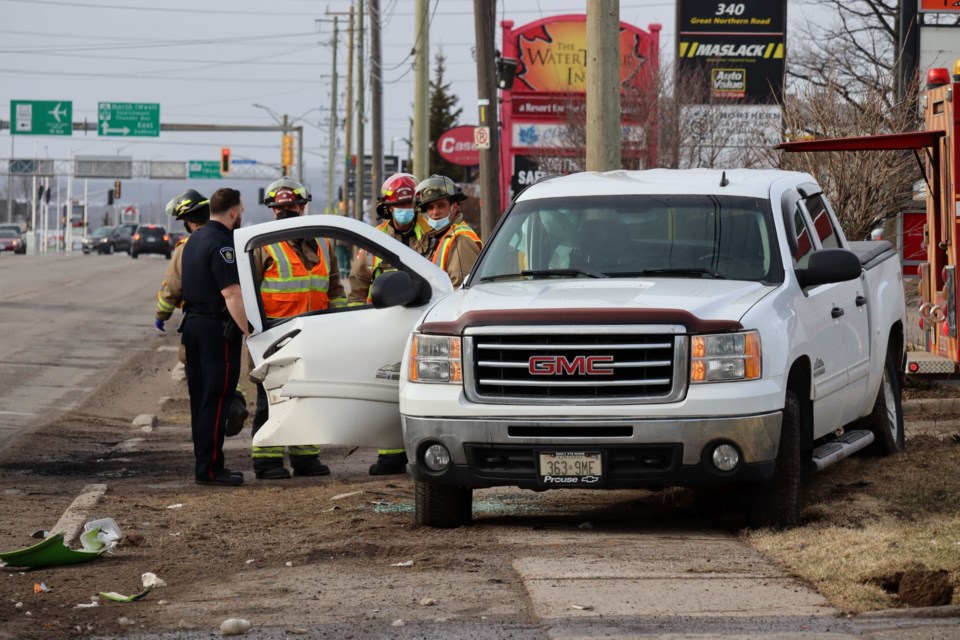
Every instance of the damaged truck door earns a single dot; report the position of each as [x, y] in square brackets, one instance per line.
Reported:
[332, 375]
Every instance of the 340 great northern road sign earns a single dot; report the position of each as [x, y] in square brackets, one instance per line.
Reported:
[128, 119]
[41, 118]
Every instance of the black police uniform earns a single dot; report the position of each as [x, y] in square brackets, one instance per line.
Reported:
[213, 344]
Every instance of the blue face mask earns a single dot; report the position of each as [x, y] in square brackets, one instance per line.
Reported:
[438, 224]
[403, 216]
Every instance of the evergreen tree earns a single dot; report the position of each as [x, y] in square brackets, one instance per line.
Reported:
[444, 115]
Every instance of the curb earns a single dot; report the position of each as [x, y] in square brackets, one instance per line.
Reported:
[73, 519]
[938, 405]
[946, 611]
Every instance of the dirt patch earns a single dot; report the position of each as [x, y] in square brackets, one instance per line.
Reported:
[869, 518]
[296, 553]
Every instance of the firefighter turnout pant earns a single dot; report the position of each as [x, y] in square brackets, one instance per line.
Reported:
[213, 370]
[301, 456]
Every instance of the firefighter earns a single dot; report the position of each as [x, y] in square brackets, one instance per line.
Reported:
[402, 223]
[450, 244]
[293, 277]
[193, 210]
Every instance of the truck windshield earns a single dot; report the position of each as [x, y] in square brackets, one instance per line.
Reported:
[707, 236]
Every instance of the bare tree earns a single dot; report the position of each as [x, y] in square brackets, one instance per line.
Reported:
[864, 186]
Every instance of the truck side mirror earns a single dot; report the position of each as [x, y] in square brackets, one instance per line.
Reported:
[827, 266]
[395, 288]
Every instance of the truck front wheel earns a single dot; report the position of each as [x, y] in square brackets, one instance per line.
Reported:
[886, 419]
[445, 506]
[776, 503]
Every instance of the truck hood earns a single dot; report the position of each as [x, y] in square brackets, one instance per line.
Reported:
[706, 299]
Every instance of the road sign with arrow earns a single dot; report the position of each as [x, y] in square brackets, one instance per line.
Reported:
[127, 119]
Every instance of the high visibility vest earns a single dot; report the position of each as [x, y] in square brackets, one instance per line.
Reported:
[288, 288]
[374, 262]
[442, 252]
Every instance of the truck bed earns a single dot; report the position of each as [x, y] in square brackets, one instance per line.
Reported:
[872, 252]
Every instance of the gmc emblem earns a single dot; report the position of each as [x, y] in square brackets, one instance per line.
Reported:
[577, 365]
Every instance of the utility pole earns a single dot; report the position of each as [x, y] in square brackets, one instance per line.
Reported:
[421, 91]
[332, 129]
[603, 85]
[484, 19]
[358, 210]
[283, 146]
[349, 127]
[376, 101]
[909, 41]
[13, 140]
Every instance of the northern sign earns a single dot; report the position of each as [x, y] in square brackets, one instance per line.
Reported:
[124, 119]
[41, 118]
[203, 169]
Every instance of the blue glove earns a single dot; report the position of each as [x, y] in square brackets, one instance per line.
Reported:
[159, 325]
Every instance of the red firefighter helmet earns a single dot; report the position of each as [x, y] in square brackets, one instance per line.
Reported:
[397, 190]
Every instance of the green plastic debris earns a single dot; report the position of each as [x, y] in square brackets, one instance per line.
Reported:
[50, 552]
[118, 597]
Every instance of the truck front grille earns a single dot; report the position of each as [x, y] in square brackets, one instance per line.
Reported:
[573, 365]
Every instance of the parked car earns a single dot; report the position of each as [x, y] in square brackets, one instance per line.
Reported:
[92, 241]
[150, 238]
[120, 239]
[11, 240]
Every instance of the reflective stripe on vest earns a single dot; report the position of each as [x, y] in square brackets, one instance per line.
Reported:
[442, 251]
[287, 280]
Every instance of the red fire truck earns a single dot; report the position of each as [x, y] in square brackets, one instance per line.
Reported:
[940, 146]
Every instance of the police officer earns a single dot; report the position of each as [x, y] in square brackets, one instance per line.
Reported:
[450, 244]
[293, 277]
[193, 210]
[213, 330]
[402, 223]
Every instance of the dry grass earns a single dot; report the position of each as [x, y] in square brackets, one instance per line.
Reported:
[868, 518]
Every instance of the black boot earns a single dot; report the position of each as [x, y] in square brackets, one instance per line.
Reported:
[312, 467]
[272, 472]
[389, 464]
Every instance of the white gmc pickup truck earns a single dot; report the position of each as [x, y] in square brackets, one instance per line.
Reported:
[622, 329]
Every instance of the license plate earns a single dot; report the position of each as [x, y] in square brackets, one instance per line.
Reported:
[151, 239]
[570, 468]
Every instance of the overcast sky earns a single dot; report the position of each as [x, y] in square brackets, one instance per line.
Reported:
[209, 61]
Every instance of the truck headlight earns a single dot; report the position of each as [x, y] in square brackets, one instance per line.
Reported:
[436, 359]
[725, 357]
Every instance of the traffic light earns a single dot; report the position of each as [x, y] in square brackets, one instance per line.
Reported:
[116, 189]
[109, 196]
[287, 159]
[263, 192]
[225, 161]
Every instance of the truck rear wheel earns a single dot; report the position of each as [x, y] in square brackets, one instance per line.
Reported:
[445, 506]
[776, 503]
[886, 419]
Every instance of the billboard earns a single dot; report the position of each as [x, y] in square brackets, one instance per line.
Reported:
[738, 49]
[544, 107]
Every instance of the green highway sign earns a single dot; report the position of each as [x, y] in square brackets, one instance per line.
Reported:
[203, 169]
[41, 117]
[128, 119]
